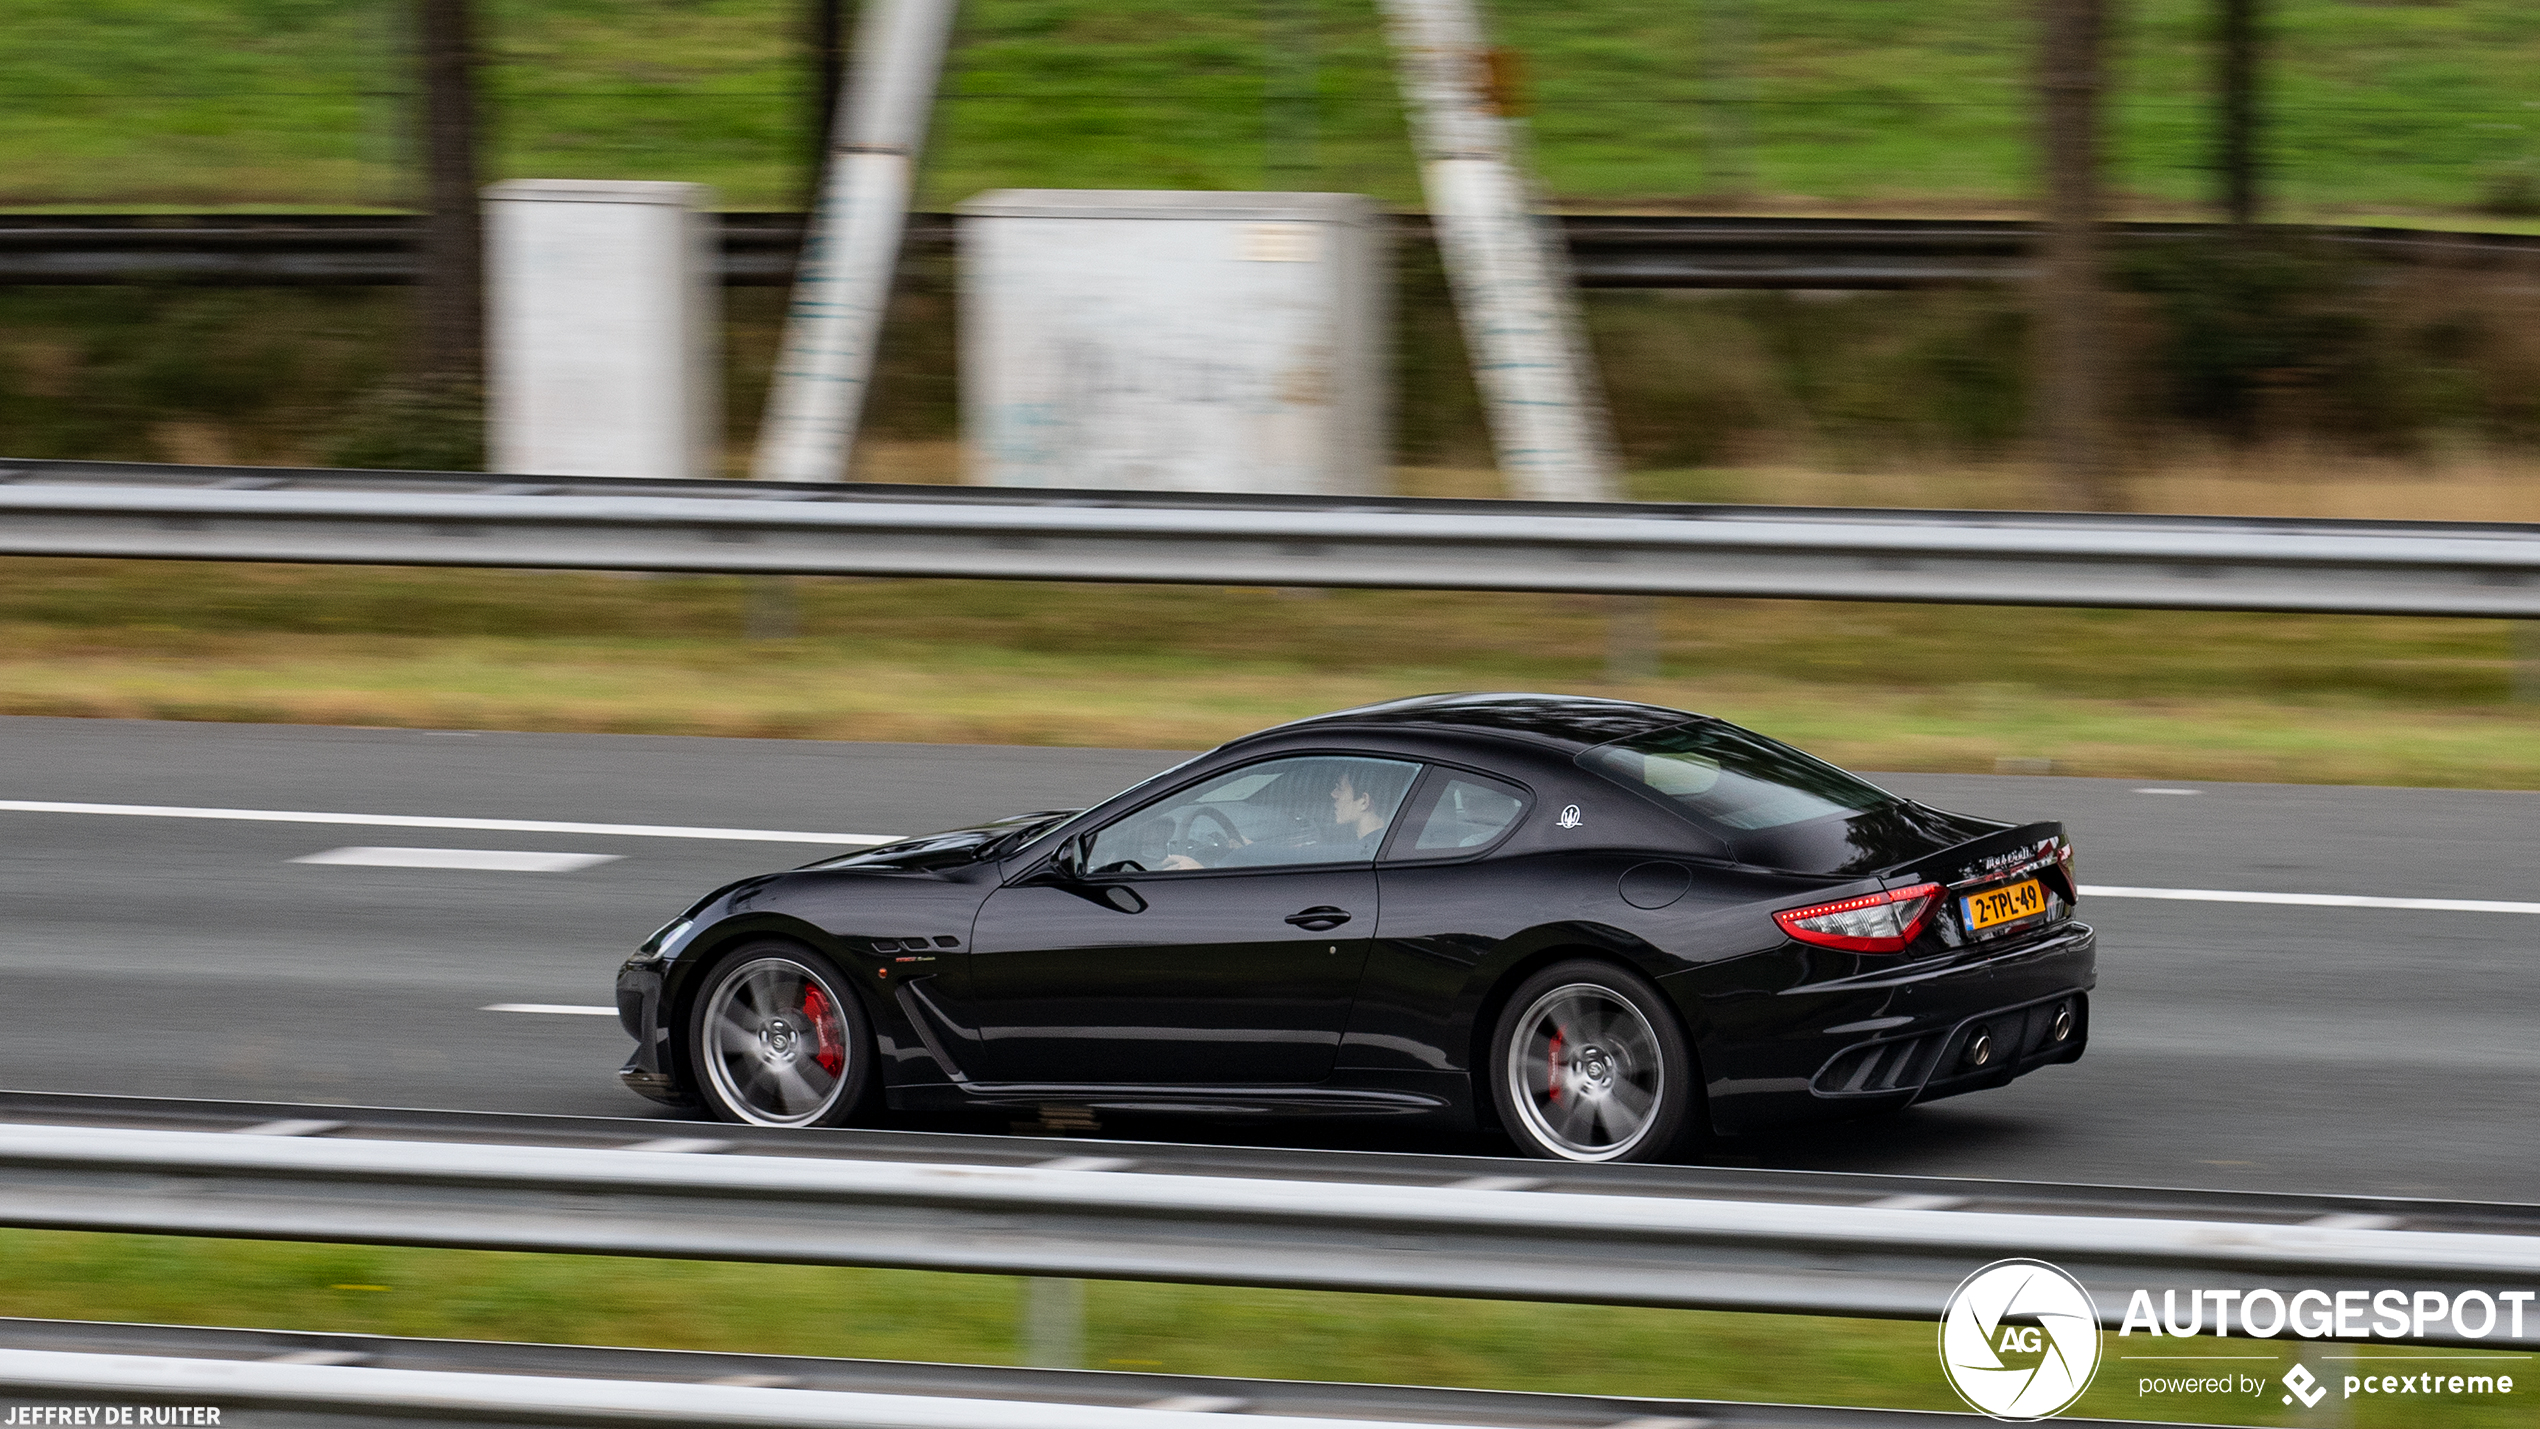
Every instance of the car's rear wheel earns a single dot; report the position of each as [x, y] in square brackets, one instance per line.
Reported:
[778, 1039]
[1590, 1064]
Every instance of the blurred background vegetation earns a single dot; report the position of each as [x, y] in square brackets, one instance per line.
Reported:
[2408, 109]
[2421, 113]
[2237, 363]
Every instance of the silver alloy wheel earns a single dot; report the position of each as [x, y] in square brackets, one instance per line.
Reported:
[1584, 1072]
[775, 1042]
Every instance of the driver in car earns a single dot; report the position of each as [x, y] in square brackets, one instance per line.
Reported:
[1358, 825]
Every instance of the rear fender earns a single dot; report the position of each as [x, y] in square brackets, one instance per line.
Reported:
[1487, 992]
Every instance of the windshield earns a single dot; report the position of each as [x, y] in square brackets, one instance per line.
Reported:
[1734, 778]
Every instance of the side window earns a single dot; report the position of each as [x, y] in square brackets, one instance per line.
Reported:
[1313, 809]
[1468, 812]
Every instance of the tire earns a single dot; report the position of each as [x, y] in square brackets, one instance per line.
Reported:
[1589, 1063]
[777, 1037]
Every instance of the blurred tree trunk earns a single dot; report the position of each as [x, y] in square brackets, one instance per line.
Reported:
[2236, 88]
[829, 23]
[451, 295]
[2070, 319]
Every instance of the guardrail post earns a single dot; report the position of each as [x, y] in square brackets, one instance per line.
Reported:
[1054, 1323]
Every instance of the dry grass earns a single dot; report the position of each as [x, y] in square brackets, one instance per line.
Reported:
[2284, 479]
[967, 694]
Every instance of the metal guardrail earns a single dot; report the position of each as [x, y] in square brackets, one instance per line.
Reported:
[1606, 251]
[1298, 1164]
[767, 528]
[589, 1384]
[1474, 1241]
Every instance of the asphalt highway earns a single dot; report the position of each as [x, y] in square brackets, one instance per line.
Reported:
[2263, 1047]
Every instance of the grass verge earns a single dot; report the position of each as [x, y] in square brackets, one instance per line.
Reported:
[2369, 107]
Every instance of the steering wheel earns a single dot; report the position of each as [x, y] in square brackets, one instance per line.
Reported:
[1208, 845]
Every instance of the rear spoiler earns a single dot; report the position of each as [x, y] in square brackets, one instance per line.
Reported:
[2039, 849]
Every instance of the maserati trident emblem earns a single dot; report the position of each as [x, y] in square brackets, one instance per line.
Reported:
[1569, 817]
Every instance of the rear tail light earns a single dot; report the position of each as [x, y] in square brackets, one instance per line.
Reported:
[1872, 923]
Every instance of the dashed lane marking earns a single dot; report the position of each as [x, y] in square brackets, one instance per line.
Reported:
[483, 860]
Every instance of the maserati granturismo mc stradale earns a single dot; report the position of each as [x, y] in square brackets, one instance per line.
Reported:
[1607, 930]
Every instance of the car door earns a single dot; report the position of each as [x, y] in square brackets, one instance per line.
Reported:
[1213, 937]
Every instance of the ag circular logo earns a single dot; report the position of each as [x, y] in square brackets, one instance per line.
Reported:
[2020, 1340]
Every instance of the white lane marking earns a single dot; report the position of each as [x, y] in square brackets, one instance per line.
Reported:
[681, 1145]
[2169, 791]
[558, 1009]
[486, 860]
[421, 821]
[2310, 900]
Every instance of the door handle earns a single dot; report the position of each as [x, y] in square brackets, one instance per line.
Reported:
[1316, 920]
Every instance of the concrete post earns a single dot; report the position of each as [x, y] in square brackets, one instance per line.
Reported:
[844, 281]
[603, 314]
[1509, 271]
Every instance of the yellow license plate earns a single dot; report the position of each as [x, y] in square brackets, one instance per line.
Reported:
[2004, 905]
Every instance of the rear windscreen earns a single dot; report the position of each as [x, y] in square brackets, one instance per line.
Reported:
[1734, 778]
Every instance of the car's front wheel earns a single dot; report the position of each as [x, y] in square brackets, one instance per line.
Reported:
[778, 1039]
[1590, 1064]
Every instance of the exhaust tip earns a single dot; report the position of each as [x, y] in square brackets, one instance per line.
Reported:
[2064, 1023]
[1980, 1048]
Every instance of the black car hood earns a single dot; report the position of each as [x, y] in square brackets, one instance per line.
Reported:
[953, 848]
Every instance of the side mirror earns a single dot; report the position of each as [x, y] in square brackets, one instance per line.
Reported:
[1068, 864]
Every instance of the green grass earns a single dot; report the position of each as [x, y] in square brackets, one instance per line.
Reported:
[2131, 694]
[2377, 108]
[1171, 1329]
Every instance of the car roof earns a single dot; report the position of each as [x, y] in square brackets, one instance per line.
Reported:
[1569, 722]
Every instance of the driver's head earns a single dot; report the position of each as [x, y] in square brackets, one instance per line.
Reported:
[1364, 795]
[1349, 805]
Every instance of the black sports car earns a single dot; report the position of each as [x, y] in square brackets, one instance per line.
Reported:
[1607, 929]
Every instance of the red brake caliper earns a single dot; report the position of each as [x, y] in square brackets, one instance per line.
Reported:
[832, 1051]
[1555, 1088]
